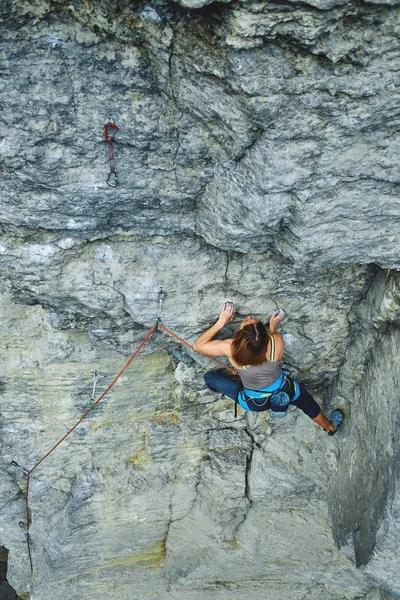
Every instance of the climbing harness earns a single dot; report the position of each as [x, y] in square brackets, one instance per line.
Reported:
[276, 400]
[157, 326]
[110, 131]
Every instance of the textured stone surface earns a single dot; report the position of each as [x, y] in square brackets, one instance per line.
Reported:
[257, 158]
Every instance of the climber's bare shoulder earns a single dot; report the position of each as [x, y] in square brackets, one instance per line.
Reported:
[214, 347]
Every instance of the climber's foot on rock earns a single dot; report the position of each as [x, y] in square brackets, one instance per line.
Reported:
[337, 419]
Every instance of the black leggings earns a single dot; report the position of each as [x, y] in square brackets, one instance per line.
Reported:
[306, 403]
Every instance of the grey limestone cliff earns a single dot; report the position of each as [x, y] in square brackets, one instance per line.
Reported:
[257, 159]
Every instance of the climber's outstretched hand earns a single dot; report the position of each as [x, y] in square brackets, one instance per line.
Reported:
[275, 319]
[227, 313]
[205, 343]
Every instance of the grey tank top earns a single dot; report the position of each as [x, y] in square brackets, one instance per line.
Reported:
[261, 376]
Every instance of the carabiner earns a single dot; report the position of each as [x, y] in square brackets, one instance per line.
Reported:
[161, 295]
[15, 464]
[113, 126]
[112, 181]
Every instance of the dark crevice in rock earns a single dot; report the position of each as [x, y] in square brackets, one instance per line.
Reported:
[226, 269]
[257, 135]
[249, 457]
[170, 68]
[6, 591]
[251, 435]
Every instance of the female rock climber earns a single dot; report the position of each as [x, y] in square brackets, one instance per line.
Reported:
[256, 353]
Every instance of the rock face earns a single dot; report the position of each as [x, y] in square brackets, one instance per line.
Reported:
[257, 159]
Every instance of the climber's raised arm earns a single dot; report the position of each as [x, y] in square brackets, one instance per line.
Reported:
[205, 343]
[274, 321]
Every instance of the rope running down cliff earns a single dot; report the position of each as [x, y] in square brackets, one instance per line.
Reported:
[155, 327]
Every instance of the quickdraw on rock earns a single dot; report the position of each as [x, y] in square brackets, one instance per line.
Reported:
[96, 376]
[110, 130]
[17, 466]
[160, 297]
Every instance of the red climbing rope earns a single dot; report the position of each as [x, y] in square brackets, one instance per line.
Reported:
[28, 473]
[152, 330]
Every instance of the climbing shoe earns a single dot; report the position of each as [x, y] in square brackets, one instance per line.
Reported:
[337, 419]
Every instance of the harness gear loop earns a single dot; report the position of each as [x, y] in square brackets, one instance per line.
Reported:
[160, 298]
[17, 466]
[110, 131]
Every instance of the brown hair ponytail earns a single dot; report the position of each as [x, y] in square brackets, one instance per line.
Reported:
[249, 345]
